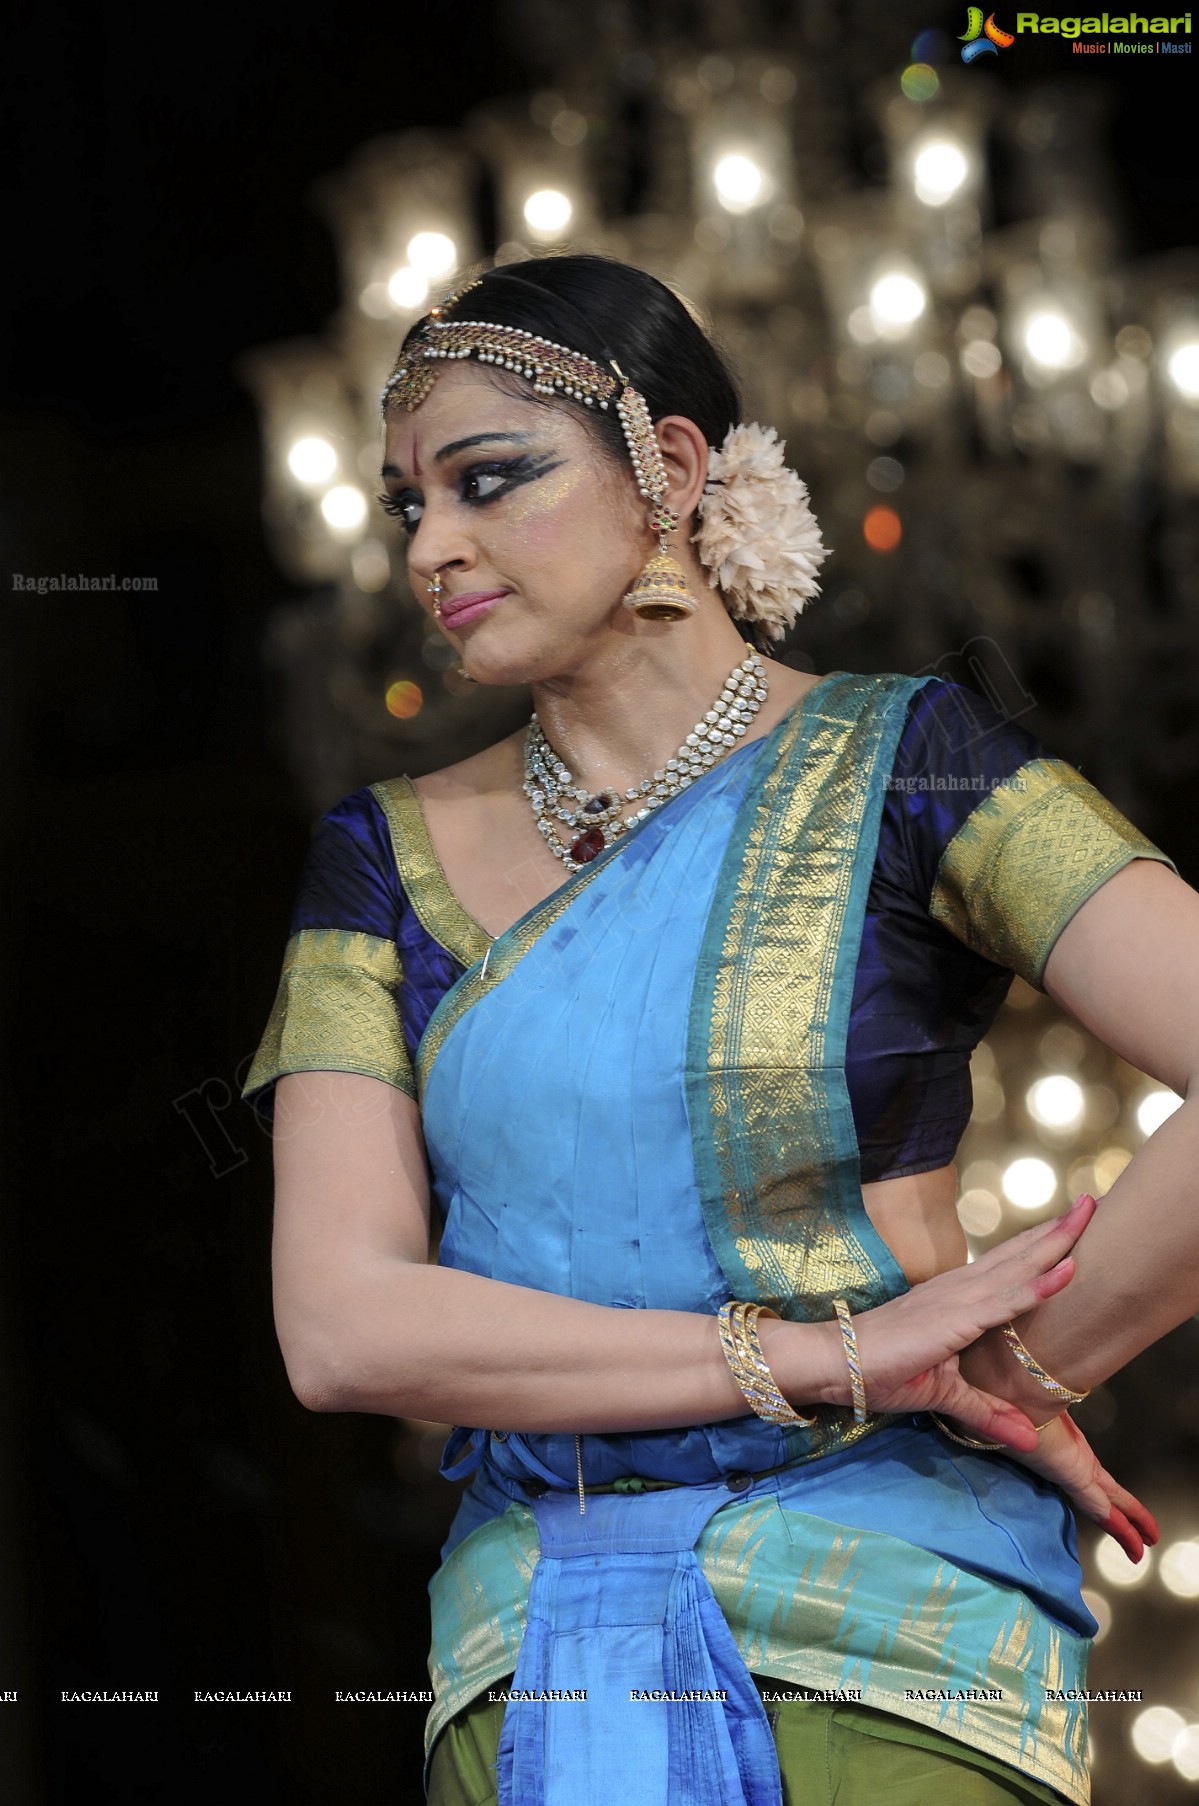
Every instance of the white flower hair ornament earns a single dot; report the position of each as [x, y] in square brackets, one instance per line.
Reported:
[758, 538]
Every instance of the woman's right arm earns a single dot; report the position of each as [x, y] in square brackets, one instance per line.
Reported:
[365, 1323]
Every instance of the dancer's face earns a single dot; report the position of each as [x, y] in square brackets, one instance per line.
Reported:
[514, 502]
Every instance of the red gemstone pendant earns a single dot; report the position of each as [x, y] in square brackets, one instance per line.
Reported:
[585, 848]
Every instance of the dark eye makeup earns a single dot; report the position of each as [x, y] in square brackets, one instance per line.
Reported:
[474, 485]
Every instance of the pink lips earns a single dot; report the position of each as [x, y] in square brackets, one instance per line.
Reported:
[456, 611]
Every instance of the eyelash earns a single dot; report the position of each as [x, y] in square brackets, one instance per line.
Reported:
[397, 505]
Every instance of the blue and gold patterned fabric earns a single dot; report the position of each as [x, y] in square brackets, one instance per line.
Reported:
[664, 1086]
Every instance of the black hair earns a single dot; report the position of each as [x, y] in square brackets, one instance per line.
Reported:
[607, 310]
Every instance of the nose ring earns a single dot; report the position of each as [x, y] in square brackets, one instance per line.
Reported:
[434, 588]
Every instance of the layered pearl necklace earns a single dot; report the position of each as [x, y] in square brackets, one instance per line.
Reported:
[593, 821]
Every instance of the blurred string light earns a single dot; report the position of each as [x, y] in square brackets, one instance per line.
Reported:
[312, 461]
[1029, 1183]
[548, 212]
[344, 508]
[939, 170]
[1155, 1107]
[1056, 1101]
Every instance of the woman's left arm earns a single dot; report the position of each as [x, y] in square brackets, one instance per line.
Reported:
[1126, 967]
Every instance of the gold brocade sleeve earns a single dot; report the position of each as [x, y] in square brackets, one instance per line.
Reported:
[336, 1010]
[1026, 859]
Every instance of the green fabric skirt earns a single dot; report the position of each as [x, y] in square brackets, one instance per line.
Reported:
[829, 1755]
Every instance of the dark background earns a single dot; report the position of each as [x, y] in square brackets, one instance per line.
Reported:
[172, 1518]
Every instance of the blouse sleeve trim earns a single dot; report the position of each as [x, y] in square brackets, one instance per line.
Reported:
[335, 1011]
[1026, 859]
[422, 875]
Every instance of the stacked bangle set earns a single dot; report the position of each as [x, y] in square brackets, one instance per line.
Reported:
[738, 1321]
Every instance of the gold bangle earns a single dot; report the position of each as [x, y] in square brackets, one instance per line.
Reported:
[857, 1384]
[1033, 1367]
[967, 1442]
[737, 1324]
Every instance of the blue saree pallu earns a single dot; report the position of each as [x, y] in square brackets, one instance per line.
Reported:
[639, 1098]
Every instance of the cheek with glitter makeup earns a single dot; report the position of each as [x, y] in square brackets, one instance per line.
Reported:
[534, 504]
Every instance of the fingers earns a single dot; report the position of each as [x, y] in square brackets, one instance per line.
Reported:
[1139, 1516]
[1046, 1284]
[983, 1415]
[1118, 1526]
[1112, 1506]
[1044, 1248]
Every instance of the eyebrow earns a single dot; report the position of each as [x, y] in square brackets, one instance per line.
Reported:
[457, 445]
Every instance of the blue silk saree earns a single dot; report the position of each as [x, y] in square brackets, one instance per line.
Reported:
[664, 1087]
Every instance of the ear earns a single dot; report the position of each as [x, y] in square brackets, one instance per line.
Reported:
[685, 455]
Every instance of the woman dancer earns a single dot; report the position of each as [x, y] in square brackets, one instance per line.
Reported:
[666, 1005]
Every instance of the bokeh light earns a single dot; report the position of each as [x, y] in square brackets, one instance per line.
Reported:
[1056, 1101]
[548, 212]
[344, 508]
[740, 182]
[897, 299]
[1117, 1569]
[1100, 1610]
[403, 699]
[1029, 1183]
[882, 529]
[1184, 1753]
[939, 171]
[1109, 1165]
[1179, 1569]
[981, 358]
[1154, 1731]
[432, 253]
[1182, 367]
[371, 567]
[1051, 341]
[312, 460]
[1154, 1108]
[979, 1211]
[920, 82]
[408, 287]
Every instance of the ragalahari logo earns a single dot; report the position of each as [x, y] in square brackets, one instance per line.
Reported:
[983, 39]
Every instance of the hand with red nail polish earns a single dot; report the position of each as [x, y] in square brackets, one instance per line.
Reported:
[1065, 1458]
[909, 1346]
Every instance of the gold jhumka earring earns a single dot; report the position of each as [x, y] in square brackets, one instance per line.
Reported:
[661, 591]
